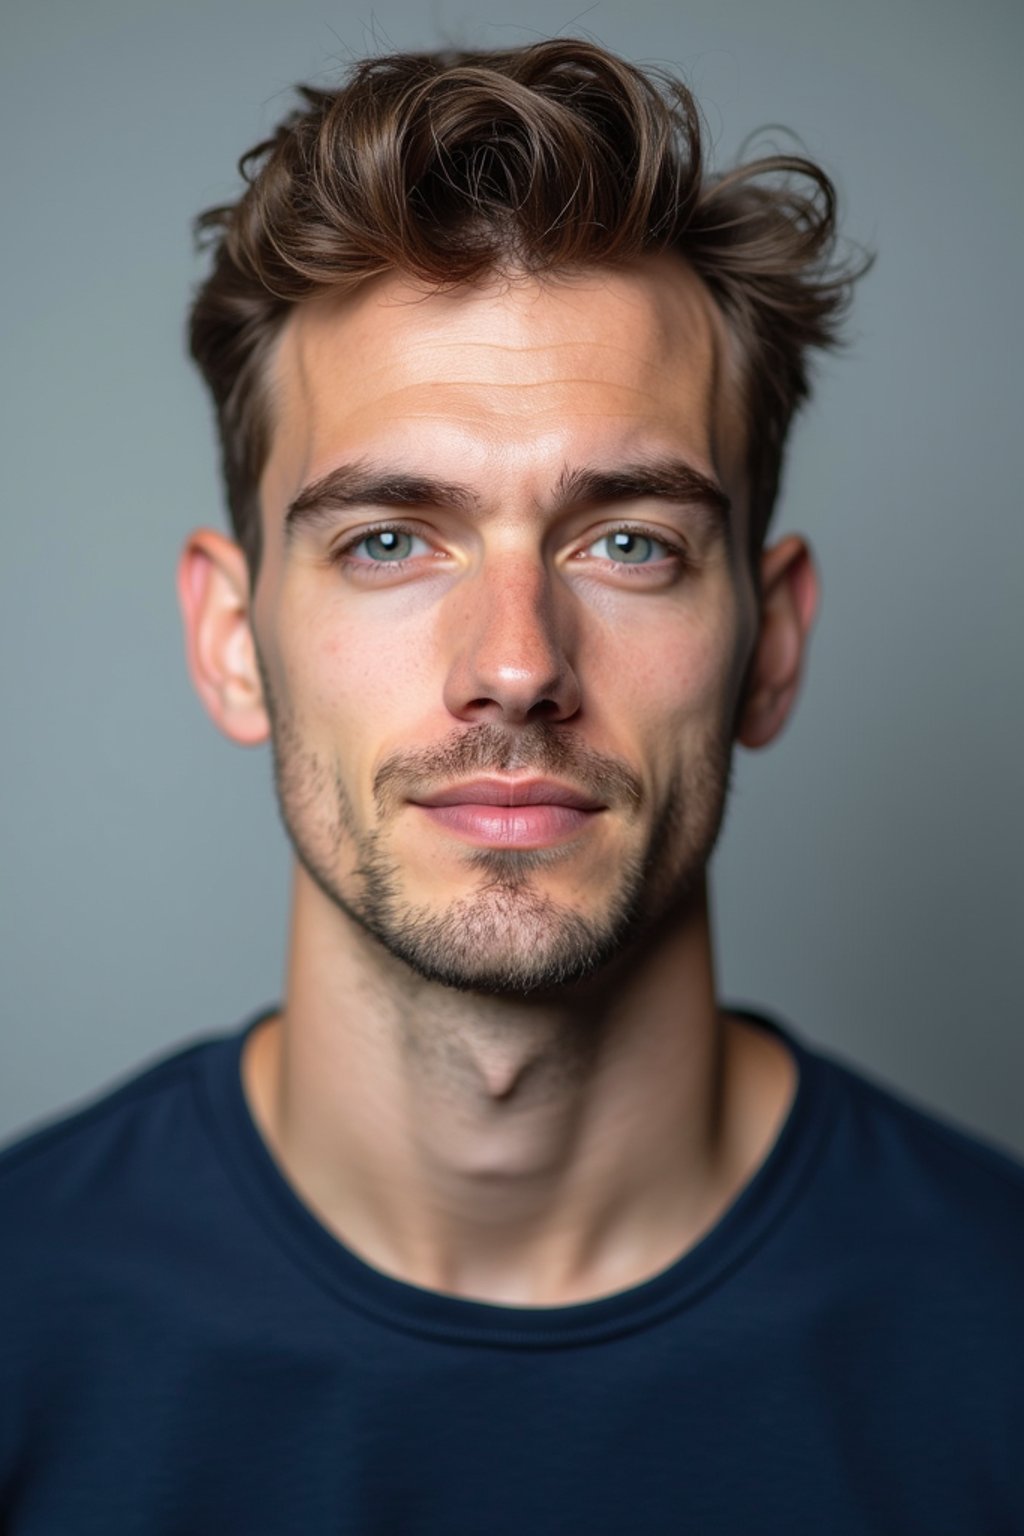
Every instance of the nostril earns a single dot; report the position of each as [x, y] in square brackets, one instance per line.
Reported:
[501, 672]
[541, 709]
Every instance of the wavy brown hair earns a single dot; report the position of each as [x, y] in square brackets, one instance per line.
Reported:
[446, 166]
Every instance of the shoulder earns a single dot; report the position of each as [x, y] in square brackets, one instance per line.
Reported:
[934, 1196]
[102, 1206]
[926, 1139]
[100, 1211]
[64, 1173]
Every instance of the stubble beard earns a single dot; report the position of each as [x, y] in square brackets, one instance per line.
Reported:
[505, 937]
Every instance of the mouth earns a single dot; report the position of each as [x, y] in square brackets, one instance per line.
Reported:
[511, 813]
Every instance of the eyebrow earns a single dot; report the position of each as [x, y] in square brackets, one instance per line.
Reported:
[665, 479]
[363, 484]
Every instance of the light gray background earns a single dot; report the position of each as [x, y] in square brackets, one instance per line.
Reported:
[869, 885]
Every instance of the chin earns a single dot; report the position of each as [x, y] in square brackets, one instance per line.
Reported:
[505, 939]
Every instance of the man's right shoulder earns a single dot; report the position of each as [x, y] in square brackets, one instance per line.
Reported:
[66, 1172]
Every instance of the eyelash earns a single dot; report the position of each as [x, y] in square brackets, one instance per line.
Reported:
[340, 556]
[675, 551]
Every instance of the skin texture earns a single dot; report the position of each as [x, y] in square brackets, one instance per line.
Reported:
[500, 1069]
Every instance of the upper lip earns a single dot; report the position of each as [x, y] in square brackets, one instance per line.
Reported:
[511, 792]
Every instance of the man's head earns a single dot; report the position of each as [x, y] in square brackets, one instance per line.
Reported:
[503, 383]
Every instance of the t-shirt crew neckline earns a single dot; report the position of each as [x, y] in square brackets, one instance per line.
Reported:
[744, 1225]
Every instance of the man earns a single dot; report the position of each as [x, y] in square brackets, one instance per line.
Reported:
[502, 1223]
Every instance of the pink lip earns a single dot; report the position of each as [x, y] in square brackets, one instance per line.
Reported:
[511, 813]
[511, 792]
[510, 826]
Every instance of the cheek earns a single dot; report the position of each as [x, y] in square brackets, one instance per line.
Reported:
[676, 672]
[695, 697]
[350, 670]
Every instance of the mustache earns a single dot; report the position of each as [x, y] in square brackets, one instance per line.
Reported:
[489, 748]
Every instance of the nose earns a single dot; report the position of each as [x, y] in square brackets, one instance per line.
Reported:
[509, 646]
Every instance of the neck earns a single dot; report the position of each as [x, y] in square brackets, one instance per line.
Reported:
[514, 1150]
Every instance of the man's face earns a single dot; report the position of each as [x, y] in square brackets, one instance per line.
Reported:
[500, 574]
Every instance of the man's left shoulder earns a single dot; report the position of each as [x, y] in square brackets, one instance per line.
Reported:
[943, 1190]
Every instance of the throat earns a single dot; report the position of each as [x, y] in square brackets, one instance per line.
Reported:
[500, 1064]
[509, 1149]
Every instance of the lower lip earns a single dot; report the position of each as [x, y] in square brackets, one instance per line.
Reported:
[511, 826]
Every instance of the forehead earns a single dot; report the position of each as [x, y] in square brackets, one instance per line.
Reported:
[508, 378]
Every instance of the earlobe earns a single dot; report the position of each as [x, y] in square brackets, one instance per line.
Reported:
[789, 600]
[213, 591]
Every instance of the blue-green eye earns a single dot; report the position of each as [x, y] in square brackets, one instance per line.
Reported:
[387, 545]
[627, 548]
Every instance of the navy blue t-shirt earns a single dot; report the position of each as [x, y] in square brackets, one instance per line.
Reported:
[185, 1349]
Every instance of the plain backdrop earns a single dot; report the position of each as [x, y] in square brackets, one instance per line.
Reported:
[868, 888]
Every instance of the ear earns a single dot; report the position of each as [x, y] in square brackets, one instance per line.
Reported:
[789, 600]
[213, 590]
